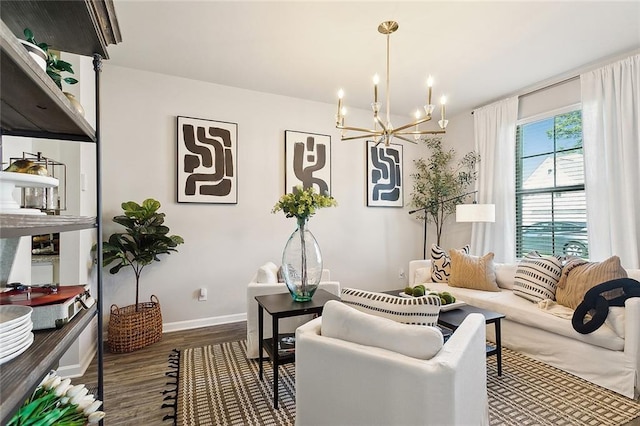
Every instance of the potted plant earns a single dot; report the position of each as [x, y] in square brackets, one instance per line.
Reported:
[146, 237]
[53, 65]
[439, 183]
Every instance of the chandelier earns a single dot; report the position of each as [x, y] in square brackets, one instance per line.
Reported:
[384, 131]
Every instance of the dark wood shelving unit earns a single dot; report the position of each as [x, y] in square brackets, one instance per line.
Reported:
[33, 106]
[22, 374]
[12, 225]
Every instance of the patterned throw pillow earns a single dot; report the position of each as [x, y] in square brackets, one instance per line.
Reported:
[537, 277]
[441, 263]
[422, 310]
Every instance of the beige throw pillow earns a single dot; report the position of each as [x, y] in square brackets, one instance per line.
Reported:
[473, 272]
[579, 276]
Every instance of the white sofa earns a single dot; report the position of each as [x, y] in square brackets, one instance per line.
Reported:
[609, 357]
[261, 285]
[339, 382]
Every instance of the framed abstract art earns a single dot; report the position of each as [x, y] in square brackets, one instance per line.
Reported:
[384, 175]
[207, 161]
[307, 161]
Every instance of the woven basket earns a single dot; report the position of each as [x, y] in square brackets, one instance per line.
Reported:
[131, 329]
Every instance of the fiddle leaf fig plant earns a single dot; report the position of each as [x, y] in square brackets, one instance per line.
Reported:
[55, 65]
[146, 238]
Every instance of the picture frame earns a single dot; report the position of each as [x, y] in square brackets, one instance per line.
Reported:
[207, 168]
[385, 183]
[307, 161]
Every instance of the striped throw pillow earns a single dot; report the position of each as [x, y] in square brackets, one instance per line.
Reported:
[422, 310]
[537, 277]
[441, 263]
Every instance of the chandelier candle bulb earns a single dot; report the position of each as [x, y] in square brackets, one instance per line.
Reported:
[443, 101]
[376, 80]
[430, 86]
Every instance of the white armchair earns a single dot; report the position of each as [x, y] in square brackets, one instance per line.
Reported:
[339, 382]
[263, 282]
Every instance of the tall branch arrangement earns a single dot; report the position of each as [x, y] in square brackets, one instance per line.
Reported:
[439, 178]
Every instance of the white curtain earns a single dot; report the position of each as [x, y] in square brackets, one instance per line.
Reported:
[495, 141]
[611, 130]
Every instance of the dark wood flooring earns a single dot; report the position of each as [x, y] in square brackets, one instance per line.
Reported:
[133, 382]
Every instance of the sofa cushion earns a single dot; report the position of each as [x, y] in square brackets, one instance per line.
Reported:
[470, 271]
[343, 322]
[422, 275]
[556, 319]
[267, 273]
[505, 273]
[441, 263]
[422, 310]
[537, 277]
[578, 276]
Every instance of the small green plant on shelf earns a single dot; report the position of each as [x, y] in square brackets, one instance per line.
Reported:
[55, 65]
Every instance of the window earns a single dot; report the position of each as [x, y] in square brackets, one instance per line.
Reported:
[550, 198]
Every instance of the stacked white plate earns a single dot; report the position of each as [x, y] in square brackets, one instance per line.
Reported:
[15, 331]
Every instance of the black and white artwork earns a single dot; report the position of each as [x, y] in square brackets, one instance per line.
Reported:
[384, 175]
[307, 161]
[207, 161]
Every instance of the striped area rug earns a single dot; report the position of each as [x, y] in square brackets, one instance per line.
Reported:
[217, 385]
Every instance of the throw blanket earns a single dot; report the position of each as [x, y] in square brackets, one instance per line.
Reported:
[598, 299]
[556, 309]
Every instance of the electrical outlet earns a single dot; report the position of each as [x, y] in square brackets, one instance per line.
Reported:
[401, 275]
[202, 296]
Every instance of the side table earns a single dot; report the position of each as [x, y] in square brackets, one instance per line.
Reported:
[453, 318]
[283, 306]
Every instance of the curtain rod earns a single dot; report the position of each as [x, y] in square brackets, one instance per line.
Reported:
[540, 89]
[573, 75]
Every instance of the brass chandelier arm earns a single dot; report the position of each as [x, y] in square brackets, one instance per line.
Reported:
[359, 129]
[399, 136]
[421, 132]
[415, 123]
[377, 119]
[370, 135]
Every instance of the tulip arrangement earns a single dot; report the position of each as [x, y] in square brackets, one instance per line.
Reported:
[57, 402]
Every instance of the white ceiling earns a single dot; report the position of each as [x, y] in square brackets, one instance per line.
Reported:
[476, 51]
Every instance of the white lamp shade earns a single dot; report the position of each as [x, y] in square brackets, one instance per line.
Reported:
[476, 213]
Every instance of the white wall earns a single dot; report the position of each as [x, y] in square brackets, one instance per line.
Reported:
[364, 247]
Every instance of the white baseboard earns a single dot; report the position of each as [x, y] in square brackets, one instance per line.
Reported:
[202, 322]
[78, 370]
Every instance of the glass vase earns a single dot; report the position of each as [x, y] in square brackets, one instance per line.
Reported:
[302, 263]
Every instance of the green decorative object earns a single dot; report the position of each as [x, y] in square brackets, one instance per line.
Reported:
[301, 258]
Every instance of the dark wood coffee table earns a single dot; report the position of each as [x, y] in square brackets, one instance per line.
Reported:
[282, 306]
[453, 318]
